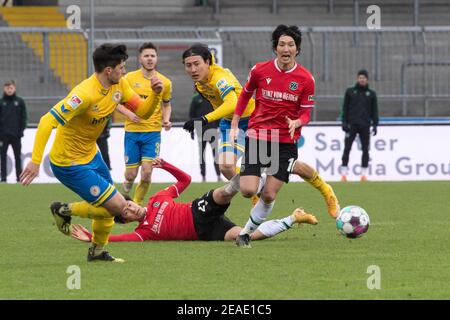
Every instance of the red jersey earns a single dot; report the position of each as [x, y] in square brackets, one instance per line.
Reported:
[279, 94]
[166, 219]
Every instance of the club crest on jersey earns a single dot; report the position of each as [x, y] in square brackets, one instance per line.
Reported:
[95, 191]
[293, 86]
[117, 96]
[74, 101]
[156, 204]
[136, 85]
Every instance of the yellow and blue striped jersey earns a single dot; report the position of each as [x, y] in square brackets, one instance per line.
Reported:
[82, 116]
[219, 84]
[141, 86]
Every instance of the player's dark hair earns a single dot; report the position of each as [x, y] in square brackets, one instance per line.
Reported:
[198, 49]
[9, 83]
[363, 72]
[109, 55]
[120, 219]
[291, 31]
[147, 45]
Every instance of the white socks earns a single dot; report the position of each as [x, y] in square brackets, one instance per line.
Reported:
[273, 227]
[258, 214]
[262, 182]
[232, 187]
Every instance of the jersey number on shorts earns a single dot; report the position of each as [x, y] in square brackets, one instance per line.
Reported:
[202, 205]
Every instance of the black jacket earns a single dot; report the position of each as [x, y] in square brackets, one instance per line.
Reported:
[13, 116]
[360, 106]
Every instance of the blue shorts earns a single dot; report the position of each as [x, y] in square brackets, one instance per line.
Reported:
[91, 181]
[141, 146]
[225, 145]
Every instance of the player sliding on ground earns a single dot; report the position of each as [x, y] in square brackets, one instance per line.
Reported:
[201, 219]
[74, 158]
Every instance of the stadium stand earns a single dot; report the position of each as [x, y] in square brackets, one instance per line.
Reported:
[333, 63]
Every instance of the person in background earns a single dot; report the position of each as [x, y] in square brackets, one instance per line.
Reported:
[359, 112]
[13, 121]
[200, 107]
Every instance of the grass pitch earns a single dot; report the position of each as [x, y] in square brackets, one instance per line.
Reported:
[408, 240]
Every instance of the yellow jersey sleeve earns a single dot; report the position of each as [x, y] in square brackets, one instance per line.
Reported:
[132, 101]
[226, 108]
[224, 85]
[46, 124]
[127, 91]
[75, 103]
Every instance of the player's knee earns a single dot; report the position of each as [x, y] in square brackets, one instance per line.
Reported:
[228, 170]
[146, 176]
[130, 175]
[247, 192]
[268, 196]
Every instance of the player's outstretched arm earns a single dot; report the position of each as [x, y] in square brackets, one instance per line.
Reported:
[128, 113]
[81, 233]
[31, 171]
[225, 109]
[184, 180]
[144, 108]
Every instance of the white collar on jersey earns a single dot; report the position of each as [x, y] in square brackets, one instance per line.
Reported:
[278, 68]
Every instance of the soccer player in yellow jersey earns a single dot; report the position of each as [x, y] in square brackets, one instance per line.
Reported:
[221, 88]
[74, 158]
[143, 138]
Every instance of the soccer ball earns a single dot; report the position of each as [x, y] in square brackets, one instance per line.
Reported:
[353, 221]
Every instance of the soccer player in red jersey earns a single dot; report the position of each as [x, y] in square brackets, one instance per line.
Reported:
[201, 219]
[284, 94]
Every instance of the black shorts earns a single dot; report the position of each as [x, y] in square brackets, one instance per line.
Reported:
[209, 220]
[259, 153]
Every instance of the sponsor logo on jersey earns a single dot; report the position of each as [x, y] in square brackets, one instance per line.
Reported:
[222, 85]
[101, 120]
[279, 96]
[159, 218]
[293, 86]
[74, 101]
[95, 191]
[64, 110]
[117, 96]
[268, 80]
